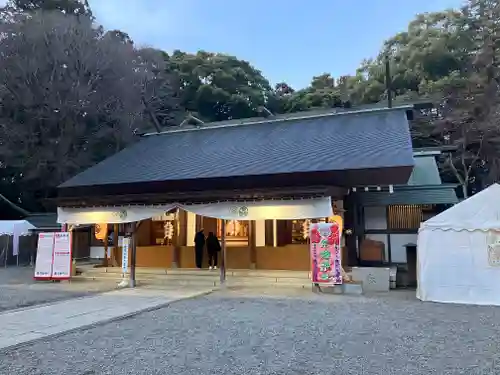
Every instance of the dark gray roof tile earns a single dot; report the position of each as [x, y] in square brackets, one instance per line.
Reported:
[373, 139]
[438, 194]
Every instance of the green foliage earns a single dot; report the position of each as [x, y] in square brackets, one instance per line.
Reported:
[70, 7]
[219, 87]
[62, 113]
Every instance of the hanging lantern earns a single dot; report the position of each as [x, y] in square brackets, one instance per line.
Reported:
[305, 229]
[101, 231]
[169, 230]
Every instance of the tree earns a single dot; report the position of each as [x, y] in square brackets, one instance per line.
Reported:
[323, 92]
[70, 95]
[219, 87]
[161, 90]
[74, 7]
[322, 82]
[472, 105]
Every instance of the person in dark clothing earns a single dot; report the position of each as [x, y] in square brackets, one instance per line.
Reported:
[199, 244]
[213, 247]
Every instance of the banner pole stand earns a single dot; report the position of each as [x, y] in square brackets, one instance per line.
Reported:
[125, 250]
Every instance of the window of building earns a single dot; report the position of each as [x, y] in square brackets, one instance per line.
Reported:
[405, 217]
[162, 229]
[236, 232]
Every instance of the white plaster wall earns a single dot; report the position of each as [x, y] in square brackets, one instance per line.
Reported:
[191, 228]
[97, 252]
[275, 233]
[340, 207]
[375, 218]
[398, 251]
[260, 233]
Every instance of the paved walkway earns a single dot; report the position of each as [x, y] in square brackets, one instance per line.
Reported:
[21, 326]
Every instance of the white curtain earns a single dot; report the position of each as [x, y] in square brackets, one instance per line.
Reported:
[265, 210]
[252, 210]
[110, 215]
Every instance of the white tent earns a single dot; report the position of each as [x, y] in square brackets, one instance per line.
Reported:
[15, 228]
[458, 252]
[12, 227]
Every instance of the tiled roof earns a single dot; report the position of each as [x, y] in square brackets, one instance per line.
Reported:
[44, 220]
[423, 187]
[425, 172]
[321, 143]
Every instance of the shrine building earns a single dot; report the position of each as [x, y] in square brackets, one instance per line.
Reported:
[362, 160]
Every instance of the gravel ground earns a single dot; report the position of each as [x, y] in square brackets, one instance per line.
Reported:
[17, 289]
[229, 333]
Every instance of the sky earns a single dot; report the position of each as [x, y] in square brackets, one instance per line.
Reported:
[288, 40]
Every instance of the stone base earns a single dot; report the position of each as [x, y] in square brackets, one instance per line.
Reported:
[348, 288]
[374, 279]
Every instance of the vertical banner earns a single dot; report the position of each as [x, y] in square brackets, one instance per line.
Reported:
[15, 240]
[61, 264]
[326, 252]
[125, 248]
[44, 254]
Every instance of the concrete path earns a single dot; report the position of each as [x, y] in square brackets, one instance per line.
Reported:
[18, 327]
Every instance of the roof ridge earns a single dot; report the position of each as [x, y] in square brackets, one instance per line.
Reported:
[13, 205]
[248, 121]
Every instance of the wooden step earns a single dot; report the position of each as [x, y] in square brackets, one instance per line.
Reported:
[195, 271]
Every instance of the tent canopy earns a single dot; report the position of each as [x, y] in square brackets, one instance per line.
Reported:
[11, 227]
[479, 212]
[454, 252]
[245, 210]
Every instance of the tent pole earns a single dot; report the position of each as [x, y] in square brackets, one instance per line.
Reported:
[132, 256]
[223, 248]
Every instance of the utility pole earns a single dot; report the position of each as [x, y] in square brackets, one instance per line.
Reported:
[388, 81]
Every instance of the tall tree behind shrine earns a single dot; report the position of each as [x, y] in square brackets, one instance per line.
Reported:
[71, 95]
[63, 112]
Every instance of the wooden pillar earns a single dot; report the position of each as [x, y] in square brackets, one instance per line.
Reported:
[252, 244]
[350, 222]
[223, 251]
[199, 223]
[269, 233]
[176, 240]
[114, 252]
[133, 255]
[275, 233]
[105, 242]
